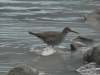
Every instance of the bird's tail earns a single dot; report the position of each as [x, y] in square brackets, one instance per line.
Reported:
[31, 33]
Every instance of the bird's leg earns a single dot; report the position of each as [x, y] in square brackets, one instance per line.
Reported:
[53, 46]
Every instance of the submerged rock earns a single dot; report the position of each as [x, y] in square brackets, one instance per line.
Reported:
[23, 70]
[44, 51]
[95, 15]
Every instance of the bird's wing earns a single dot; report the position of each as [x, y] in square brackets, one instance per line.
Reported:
[49, 41]
[52, 34]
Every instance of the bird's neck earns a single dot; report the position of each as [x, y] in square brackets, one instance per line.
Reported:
[63, 34]
[64, 31]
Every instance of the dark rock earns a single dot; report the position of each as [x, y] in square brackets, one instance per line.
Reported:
[85, 39]
[93, 55]
[23, 70]
[80, 38]
[95, 15]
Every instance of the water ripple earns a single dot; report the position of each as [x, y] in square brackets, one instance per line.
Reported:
[42, 2]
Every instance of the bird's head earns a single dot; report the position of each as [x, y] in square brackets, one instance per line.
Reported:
[67, 29]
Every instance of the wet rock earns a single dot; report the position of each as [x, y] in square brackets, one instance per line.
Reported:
[44, 51]
[89, 54]
[89, 69]
[95, 15]
[78, 48]
[80, 38]
[93, 55]
[76, 44]
[23, 70]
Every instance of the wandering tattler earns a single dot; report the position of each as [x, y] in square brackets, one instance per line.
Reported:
[53, 38]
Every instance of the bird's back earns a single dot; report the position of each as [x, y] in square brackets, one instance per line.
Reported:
[48, 34]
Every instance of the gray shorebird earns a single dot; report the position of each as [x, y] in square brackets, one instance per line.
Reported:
[53, 38]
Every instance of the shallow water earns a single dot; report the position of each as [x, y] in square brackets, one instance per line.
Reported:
[17, 17]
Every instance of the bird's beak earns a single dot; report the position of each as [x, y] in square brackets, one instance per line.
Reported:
[74, 31]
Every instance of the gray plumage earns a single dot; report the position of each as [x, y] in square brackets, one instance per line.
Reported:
[53, 38]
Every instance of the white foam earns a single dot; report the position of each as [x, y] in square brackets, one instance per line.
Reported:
[44, 51]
